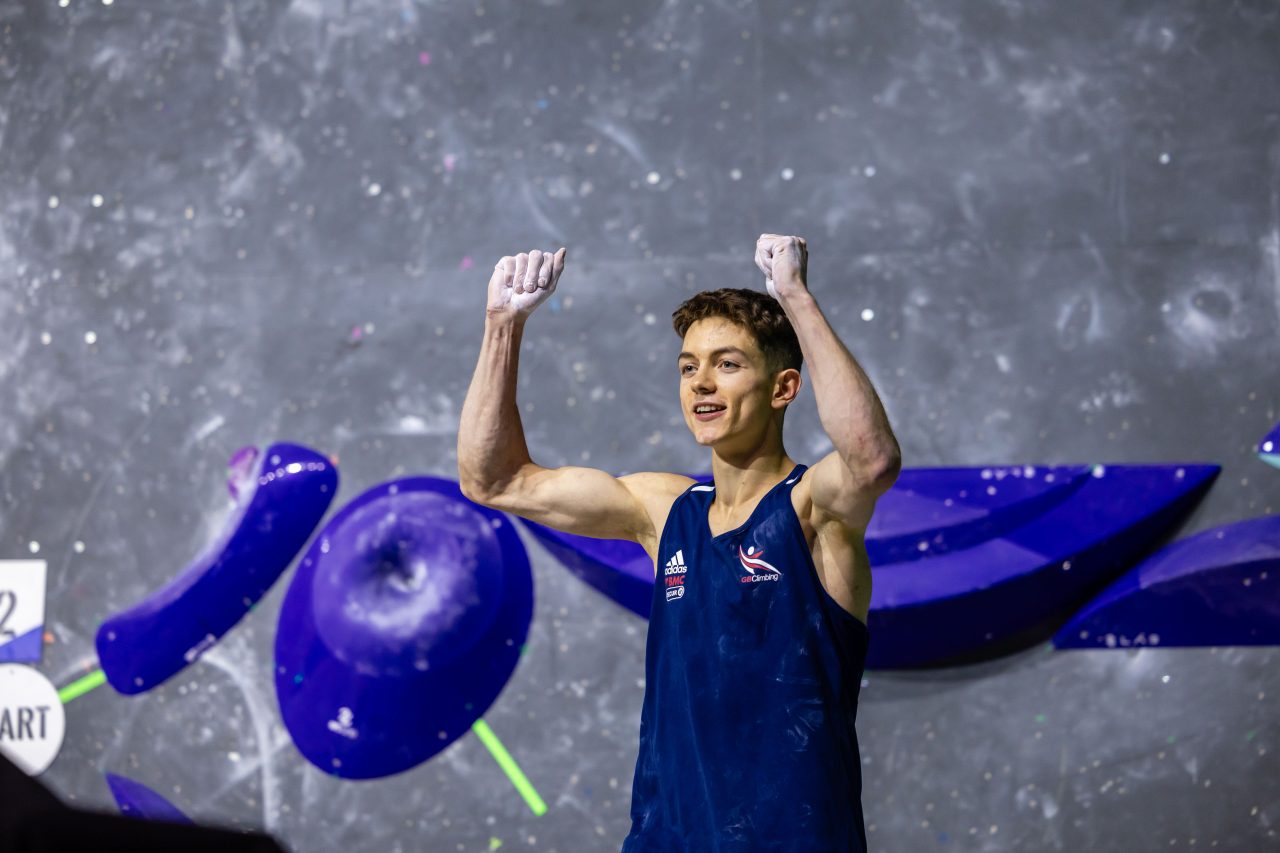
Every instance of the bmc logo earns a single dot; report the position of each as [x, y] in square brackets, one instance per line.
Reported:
[675, 570]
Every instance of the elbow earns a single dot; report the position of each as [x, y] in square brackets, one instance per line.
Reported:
[487, 493]
[473, 490]
[473, 487]
[487, 489]
[474, 493]
[887, 470]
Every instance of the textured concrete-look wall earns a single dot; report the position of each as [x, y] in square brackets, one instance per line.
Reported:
[1050, 232]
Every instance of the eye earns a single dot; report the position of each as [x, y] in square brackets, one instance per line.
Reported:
[730, 363]
[684, 368]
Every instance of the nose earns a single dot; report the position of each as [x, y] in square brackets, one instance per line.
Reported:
[702, 381]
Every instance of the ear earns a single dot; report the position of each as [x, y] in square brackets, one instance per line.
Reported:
[786, 385]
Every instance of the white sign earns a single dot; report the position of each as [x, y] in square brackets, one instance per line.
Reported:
[21, 610]
[32, 721]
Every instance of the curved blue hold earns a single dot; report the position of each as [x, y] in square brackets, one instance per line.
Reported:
[277, 504]
[1220, 587]
[137, 800]
[970, 560]
[402, 625]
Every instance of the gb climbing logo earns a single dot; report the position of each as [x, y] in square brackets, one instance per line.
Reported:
[757, 569]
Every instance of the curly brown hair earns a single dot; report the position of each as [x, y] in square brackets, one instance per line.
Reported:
[754, 310]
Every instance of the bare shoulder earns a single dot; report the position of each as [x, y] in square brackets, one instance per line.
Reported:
[659, 482]
[656, 491]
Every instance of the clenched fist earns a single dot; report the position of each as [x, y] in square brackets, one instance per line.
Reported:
[521, 283]
[784, 261]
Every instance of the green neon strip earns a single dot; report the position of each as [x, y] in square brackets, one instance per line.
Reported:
[509, 766]
[97, 678]
[81, 686]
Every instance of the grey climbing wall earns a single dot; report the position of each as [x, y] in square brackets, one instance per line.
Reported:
[1049, 231]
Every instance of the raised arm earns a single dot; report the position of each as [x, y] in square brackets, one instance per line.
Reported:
[494, 466]
[866, 461]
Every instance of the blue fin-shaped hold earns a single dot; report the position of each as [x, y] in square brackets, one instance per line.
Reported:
[967, 561]
[401, 626]
[1269, 447]
[1220, 587]
[975, 562]
[137, 800]
[278, 501]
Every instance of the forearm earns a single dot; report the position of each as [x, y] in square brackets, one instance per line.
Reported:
[848, 406]
[491, 443]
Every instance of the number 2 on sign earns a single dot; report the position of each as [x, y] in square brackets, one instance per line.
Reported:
[7, 633]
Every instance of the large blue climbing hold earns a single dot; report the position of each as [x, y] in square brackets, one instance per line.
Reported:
[402, 625]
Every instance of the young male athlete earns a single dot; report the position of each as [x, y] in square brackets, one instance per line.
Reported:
[757, 636]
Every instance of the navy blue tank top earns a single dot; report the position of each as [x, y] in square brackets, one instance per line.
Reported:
[752, 673]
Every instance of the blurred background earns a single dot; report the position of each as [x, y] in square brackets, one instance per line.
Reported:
[1049, 232]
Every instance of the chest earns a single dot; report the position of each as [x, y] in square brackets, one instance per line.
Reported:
[838, 555]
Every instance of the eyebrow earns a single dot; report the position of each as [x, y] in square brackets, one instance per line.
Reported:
[714, 353]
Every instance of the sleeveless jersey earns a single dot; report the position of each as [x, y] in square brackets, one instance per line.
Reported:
[752, 674]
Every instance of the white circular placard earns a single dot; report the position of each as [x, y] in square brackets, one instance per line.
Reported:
[32, 721]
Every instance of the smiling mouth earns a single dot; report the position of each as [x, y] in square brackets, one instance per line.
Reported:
[708, 415]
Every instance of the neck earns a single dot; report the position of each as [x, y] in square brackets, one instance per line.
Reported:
[743, 479]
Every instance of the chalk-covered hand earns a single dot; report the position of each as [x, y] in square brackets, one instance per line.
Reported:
[522, 282]
[784, 261]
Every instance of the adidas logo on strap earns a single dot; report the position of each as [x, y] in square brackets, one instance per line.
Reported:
[676, 566]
